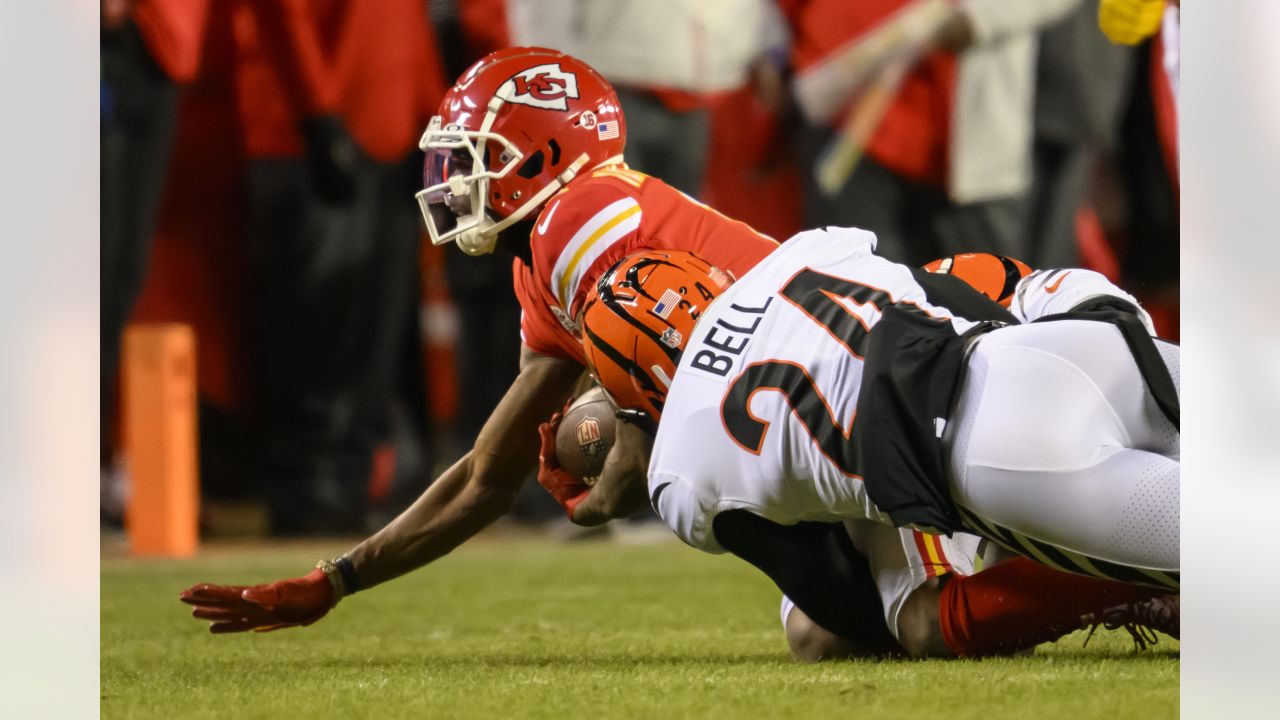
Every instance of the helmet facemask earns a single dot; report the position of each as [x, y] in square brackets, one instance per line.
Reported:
[454, 202]
[456, 175]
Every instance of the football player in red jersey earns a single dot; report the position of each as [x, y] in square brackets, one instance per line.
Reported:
[526, 155]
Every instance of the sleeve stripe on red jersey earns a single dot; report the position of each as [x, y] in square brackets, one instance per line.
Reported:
[591, 241]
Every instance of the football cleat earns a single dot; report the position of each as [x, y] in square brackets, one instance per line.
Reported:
[1140, 619]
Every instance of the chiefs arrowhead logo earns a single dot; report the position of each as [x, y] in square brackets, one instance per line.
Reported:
[541, 86]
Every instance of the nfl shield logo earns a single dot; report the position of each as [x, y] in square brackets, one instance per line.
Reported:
[589, 440]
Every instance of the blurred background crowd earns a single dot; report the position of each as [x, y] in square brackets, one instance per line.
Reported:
[259, 160]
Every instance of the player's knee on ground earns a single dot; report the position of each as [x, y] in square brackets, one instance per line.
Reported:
[811, 643]
[919, 629]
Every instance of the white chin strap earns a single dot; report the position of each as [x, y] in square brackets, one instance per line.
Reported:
[662, 376]
[473, 240]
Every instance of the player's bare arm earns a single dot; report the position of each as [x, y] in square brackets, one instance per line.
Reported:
[470, 495]
[481, 486]
[623, 485]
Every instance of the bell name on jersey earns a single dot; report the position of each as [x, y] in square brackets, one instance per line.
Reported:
[727, 338]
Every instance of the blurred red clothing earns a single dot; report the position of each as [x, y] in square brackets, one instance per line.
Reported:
[385, 79]
[198, 268]
[174, 33]
[750, 175]
[374, 64]
[1165, 100]
[484, 26]
[913, 139]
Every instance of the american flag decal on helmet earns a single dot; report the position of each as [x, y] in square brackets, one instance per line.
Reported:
[666, 304]
[607, 130]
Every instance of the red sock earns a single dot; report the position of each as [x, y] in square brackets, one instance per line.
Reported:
[1020, 603]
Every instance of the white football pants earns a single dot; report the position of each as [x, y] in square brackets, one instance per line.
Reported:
[1059, 452]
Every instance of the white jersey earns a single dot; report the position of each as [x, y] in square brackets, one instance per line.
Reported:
[760, 411]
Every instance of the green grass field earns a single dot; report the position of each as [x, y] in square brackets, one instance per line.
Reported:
[526, 627]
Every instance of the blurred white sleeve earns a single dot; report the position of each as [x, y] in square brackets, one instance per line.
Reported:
[546, 23]
[994, 19]
[1049, 292]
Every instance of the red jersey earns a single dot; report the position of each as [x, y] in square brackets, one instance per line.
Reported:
[601, 218]
[375, 64]
[174, 31]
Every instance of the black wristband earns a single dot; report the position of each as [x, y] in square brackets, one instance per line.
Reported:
[639, 418]
[348, 571]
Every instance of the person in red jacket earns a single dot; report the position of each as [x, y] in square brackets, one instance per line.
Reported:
[331, 97]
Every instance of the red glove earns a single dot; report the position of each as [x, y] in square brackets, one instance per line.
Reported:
[261, 608]
[565, 488]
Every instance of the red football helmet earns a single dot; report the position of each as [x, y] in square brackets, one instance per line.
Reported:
[516, 127]
[638, 318]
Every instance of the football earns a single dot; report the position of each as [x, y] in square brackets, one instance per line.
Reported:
[585, 435]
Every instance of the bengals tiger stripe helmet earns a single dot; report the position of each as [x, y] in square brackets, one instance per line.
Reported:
[995, 276]
[638, 318]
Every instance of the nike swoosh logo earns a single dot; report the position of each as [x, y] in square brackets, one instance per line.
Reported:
[1054, 287]
[653, 500]
[542, 226]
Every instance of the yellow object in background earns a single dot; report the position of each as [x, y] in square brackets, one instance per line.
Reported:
[1129, 22]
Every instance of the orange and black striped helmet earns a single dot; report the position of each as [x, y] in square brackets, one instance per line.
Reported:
[637, 320]
[995, 276]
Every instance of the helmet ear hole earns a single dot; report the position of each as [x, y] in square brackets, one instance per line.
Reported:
[555, 151]
[531, 167]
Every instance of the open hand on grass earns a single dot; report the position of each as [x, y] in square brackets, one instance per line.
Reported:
[271, 606]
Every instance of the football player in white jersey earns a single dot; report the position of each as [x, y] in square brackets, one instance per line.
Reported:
[1054, 448]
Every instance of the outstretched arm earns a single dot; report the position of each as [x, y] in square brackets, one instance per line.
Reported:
[480, 487]
[470, 495]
